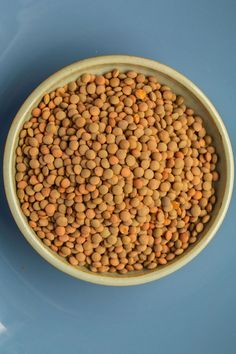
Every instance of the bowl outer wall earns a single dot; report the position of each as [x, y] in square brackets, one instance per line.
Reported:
[109, 62]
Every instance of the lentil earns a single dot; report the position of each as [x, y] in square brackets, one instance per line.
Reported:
[115, 173]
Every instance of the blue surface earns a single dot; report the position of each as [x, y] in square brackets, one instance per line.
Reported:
[44, 311]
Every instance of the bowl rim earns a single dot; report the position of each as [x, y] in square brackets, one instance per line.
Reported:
[9, 179]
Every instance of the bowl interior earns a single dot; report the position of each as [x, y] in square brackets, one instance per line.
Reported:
[101, 65]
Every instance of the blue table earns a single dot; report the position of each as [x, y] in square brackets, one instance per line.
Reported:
[44, 311]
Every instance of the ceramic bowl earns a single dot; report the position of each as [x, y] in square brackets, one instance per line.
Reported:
[193, 97]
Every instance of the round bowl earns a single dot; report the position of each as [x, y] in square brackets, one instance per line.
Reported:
[194, 98]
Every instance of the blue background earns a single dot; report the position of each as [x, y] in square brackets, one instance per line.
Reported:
[44, 311]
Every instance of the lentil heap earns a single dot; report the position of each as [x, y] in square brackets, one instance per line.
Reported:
[115, 173]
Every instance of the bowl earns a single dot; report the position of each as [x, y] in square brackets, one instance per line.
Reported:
[193, 97]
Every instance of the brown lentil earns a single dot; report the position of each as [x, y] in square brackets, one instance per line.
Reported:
[115, 173]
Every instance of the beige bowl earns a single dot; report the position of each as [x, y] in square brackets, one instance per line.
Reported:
[194, 98]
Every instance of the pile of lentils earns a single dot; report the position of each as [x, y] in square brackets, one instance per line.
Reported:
[115, 173]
